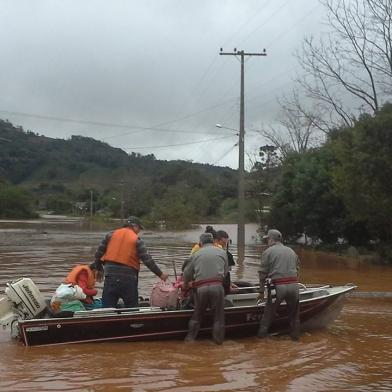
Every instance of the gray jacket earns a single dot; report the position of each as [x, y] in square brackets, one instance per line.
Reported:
[278, 261]
[210, 262]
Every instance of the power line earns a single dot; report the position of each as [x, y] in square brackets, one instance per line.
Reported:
[104, 124]
[266, 20]
[225, 153]
[280, 36]
[201, 91]
[197, 89]
[179, 144]
[261, 25]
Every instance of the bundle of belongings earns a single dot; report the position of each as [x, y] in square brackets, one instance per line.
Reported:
[171, 296]
[164, 295]
[67, 297]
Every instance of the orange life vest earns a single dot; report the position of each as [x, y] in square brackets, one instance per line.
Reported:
[73, 275]
[122, 248]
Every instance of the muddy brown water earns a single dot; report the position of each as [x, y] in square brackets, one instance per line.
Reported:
[352, 354]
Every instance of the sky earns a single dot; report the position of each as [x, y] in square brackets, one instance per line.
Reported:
[146, 75]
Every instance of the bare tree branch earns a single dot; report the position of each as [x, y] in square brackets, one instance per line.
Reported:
[299, 128]
[349, 70]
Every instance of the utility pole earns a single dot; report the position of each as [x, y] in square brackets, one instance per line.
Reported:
[241, 155]
[122, 183]
[91, 204]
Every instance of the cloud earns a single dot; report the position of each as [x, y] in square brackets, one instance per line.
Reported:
[146, 63]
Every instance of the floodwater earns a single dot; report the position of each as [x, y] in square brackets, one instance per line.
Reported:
[353, 354]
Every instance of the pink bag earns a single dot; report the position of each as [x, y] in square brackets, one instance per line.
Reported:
[179, 283]
[164, 295]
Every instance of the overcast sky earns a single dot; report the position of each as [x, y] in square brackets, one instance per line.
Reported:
[144, 67]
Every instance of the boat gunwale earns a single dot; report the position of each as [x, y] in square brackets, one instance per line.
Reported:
[168, 313]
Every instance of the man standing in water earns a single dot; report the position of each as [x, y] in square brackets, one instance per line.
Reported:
[279, 268]
[207, 268]
[121, 251]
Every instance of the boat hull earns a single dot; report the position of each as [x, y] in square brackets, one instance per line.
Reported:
[157, 325]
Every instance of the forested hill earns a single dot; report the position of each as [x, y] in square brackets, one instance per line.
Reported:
[62, 174]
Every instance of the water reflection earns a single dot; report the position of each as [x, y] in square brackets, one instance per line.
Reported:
[352, 354]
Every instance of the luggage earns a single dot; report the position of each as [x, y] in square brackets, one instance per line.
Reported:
[69, 292]
[67, 297]
[164, 295]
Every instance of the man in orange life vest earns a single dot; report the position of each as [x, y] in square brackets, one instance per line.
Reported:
[121, 252]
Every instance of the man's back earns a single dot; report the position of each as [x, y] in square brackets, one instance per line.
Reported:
[279, 261]
[207, 263]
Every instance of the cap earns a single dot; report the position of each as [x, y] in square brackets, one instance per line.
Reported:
[274, 234]
[133, 220]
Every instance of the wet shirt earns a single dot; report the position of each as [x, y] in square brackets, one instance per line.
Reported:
[209, 262]
[278, 261]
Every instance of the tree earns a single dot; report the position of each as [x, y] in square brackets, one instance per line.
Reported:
[304, 200]
[174, 209]
[261, 181]
[298, 129]
[362, 177]
[15, 203]
[349, 71]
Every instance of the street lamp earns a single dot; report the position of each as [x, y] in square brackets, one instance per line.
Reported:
[241, 191]
[231, 129]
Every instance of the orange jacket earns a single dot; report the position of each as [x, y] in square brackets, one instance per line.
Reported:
[122, 248]
[84, 277]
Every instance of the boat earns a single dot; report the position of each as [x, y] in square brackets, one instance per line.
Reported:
[25, 312]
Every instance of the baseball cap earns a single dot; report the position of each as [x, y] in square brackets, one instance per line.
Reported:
[133, 220]
[274, 234]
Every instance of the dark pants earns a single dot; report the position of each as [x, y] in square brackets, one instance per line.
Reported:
[212, 297]
[120, 283]
[289, 293]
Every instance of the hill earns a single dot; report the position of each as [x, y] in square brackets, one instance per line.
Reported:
[63, 175]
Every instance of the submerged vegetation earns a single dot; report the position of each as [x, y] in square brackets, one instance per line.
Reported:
[339, 193]
[333, 135]
[83, 176]
[325, 175]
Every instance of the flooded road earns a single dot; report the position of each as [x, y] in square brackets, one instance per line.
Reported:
[353, 354]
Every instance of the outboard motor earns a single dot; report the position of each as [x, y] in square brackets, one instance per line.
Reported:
[24, 301]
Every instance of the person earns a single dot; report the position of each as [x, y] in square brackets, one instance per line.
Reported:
[84, 276]
[196, 247]
[207, 270]
[279, 268]
[121, 252]
[222, 240]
